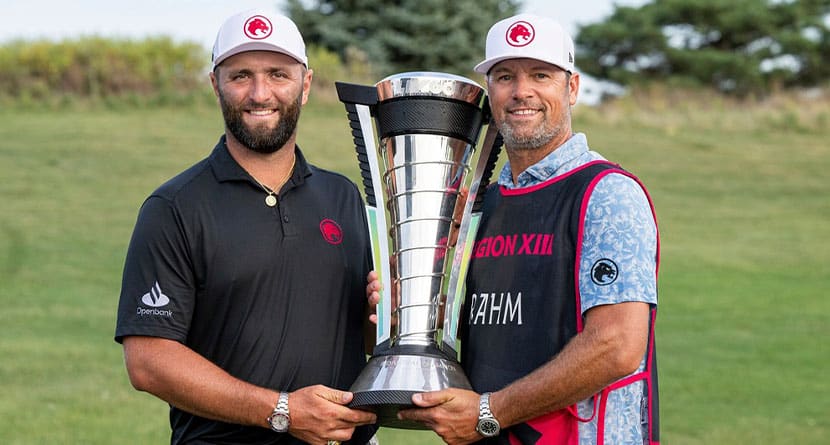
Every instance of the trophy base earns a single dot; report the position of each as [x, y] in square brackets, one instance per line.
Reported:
[386, 405]
[388, 382]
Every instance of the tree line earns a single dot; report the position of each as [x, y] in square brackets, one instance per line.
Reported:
[98, 67]
[736, 47]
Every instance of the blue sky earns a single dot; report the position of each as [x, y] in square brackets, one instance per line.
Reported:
[197, 20]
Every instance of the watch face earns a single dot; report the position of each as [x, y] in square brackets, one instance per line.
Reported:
[488, 427]
[279, 423]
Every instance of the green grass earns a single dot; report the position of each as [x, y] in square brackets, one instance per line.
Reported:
[742, 200]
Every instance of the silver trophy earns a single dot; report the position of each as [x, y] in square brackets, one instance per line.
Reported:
[427, 125]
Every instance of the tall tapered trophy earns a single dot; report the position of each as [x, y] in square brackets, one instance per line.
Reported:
[419, 199]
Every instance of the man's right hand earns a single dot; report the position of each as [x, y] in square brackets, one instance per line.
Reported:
[319, 414]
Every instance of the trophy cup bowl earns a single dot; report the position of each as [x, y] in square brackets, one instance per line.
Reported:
[427, 125]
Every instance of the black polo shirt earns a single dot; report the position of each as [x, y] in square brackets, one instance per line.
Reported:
[273, 295]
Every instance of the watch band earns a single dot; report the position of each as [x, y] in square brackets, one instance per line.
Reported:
[282, 403]
[279, 418]
[487, 425]
[484, 405]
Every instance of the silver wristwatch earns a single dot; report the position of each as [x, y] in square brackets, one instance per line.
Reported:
[487, 425]
[279, 419]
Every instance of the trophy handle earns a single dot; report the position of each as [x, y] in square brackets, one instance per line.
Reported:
[360, 101]
[470, 220]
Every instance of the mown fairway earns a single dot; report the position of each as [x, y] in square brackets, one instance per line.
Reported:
[742, 198]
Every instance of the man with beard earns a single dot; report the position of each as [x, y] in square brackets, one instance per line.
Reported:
[242, 301]
[557, 329]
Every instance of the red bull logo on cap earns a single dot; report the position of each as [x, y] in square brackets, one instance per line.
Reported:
[520, 34]
[257, 27]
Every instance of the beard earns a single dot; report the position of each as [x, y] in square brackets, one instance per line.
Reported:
[541, 135]
[261, 139]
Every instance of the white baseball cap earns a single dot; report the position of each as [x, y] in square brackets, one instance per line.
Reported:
[528, 36]
[258, 30]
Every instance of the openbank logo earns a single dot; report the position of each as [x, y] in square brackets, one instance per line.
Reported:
[155, 298]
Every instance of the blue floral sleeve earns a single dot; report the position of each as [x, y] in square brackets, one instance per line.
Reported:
[619, 246]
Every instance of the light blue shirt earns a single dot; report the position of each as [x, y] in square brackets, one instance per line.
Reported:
[619, 226]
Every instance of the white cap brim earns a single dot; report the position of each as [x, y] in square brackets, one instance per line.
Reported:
[257, 46]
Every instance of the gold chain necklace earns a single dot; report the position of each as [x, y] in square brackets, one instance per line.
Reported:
[271, 199]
